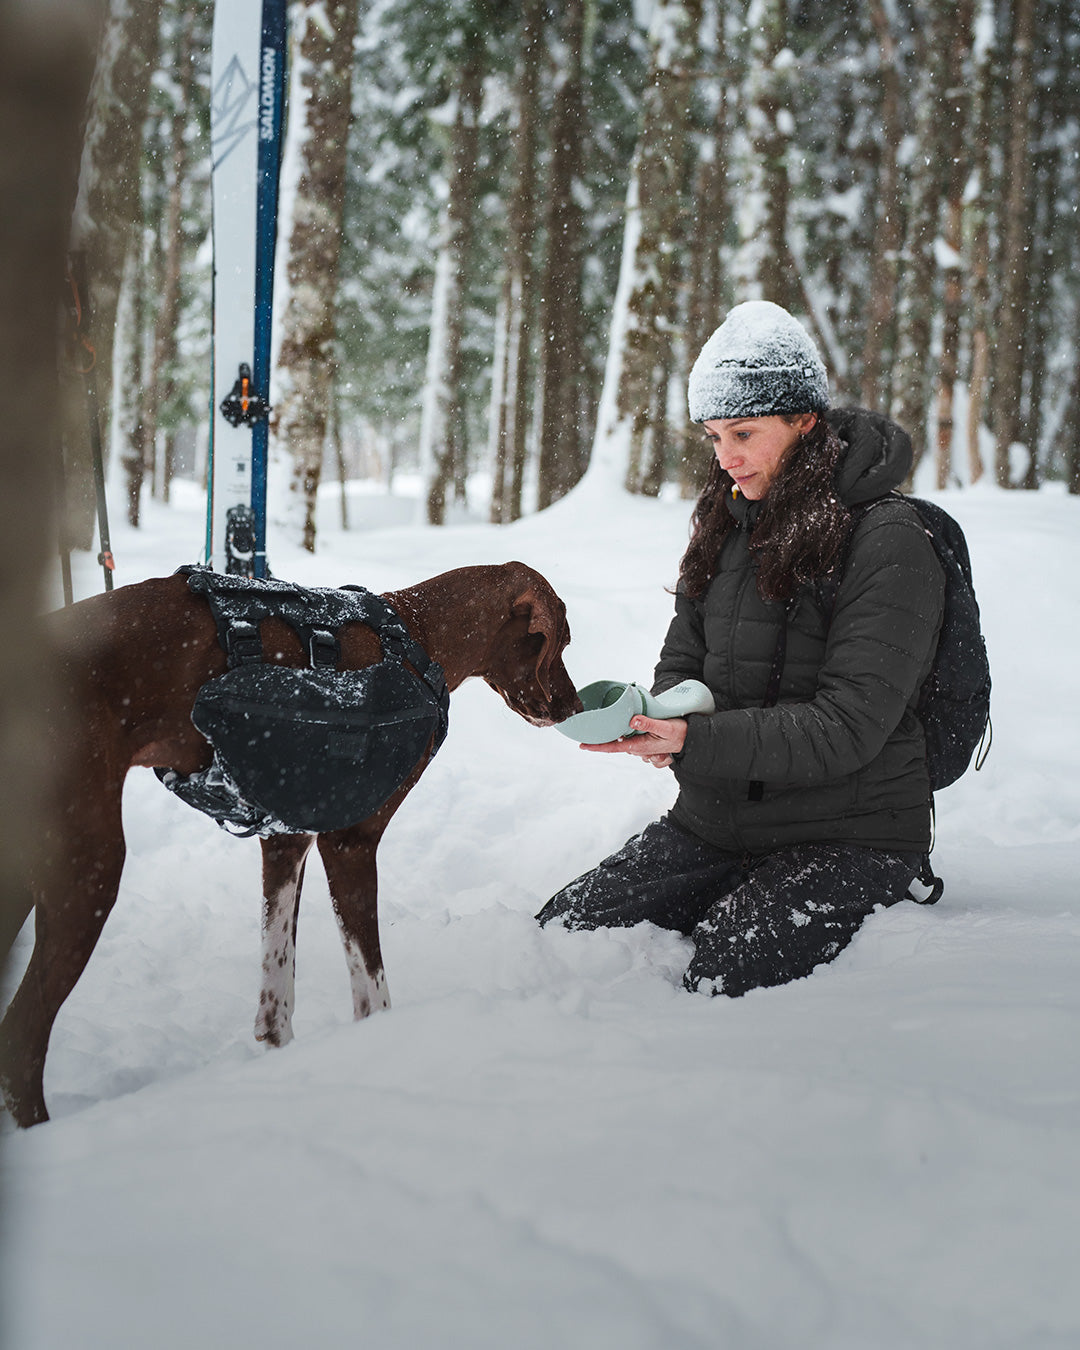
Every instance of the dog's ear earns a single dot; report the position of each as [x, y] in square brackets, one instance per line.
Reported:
[547, 616]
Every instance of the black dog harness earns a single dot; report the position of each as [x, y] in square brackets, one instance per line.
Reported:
[304, 751]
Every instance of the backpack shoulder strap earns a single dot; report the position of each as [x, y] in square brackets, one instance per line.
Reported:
[828, 586]
[399, 643]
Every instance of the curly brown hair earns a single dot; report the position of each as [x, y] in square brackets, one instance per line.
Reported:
[800, 529]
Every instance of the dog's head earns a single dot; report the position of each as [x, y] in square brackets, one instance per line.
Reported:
[524, 663]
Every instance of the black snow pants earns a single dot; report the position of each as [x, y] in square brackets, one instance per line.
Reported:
[755, 919]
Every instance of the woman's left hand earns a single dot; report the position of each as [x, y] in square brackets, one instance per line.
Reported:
[660, 739]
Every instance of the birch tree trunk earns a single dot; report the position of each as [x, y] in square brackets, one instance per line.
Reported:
[561, 459]
[307, 362]
[1009, 347]
[653, 302]
[513, 382]
[444, 434]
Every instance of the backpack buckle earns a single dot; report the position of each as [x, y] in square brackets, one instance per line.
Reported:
[323, 649]
[244, 644]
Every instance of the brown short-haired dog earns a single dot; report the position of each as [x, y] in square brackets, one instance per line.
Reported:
[131, 663]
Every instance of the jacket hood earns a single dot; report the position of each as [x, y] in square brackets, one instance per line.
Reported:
[878, 457]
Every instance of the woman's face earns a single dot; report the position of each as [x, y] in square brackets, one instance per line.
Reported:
[750, 448]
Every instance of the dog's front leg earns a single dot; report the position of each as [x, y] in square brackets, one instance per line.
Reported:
[283, 876]
[349, 859]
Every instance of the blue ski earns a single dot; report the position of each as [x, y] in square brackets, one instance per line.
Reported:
[246, 115]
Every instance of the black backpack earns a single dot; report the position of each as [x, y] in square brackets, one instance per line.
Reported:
[954, 702]
[309, 749]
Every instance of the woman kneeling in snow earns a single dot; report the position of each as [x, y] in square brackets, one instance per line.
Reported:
[804, 800]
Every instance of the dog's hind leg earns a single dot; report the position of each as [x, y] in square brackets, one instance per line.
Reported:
[70, 914]
[284, 857]
[12, 918]
[349, 859]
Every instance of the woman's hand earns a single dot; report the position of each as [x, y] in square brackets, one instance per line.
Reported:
[661, 738]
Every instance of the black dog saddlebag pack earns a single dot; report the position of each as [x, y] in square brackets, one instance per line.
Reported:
[308, 750]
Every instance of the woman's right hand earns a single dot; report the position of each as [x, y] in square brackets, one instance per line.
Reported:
[660, 739]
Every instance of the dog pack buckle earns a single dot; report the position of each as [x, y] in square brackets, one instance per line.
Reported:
[244, 643]
[323, 649]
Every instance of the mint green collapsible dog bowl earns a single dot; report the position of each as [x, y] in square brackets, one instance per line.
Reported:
[609, 705]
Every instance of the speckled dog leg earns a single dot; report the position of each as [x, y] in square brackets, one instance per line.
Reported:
[273, 1023]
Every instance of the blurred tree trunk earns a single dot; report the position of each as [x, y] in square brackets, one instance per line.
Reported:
[562, 455]
[1013, 270]
[1045, 193]
[765, 266]
[1057, 105]
[653, 313]
[133, 454]
[307, 362]
[445, 431]
[159, 384]
[955, 137]
[1070, 430]
[45, 69]
[709, 286]
[978, 218]
[888, 229]
[108, 208]
[513, 384]
[911, 366]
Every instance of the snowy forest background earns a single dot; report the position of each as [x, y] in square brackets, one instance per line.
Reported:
[499, 254]
[513, 226]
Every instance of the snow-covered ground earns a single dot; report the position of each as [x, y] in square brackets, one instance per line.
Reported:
[547, 1143]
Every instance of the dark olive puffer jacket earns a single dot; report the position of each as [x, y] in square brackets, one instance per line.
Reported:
[841, 756]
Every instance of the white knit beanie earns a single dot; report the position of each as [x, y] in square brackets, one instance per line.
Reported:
[759, 361]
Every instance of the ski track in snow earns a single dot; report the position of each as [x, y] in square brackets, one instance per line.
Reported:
[547, 1142]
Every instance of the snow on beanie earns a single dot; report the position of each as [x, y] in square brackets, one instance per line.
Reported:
[759, 361]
